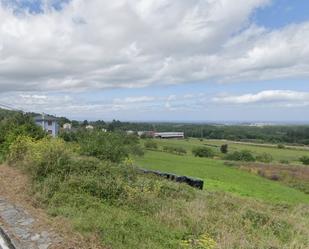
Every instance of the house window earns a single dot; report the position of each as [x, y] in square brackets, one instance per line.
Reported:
[49, 122]
[50, 132]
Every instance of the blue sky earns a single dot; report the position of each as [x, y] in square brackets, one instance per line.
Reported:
[147, 60]
[281, 13]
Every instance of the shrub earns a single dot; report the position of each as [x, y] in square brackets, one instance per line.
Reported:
[224, 148]
[41, 158]
[304, 160]
[174, 150]
[265, 158]
[244, 155]
[105, 145]
[274, 177]
[203, 152]
[17, 124]
[281, 146]
[151, 145]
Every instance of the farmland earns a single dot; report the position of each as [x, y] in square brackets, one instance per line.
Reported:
[220, 177]
[289, 153]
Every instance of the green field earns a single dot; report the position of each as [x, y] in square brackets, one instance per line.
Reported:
[218, 176]
[291, 154]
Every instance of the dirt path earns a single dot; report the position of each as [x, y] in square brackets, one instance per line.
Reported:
[28, 226]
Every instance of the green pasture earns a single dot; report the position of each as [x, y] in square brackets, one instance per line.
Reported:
[288, 154]
[219, 177]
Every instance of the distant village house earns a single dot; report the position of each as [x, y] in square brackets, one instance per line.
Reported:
[89, 127]
[67, 126]
[48, 124]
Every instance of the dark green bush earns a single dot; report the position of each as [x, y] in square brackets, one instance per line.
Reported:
[281, 146]
[203, 152]
[304, 160]
[244, 155]
[224, 148]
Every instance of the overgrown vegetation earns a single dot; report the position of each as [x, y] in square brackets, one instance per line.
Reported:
[13, 125]
[114, 147]
[243, 155]
[203, 152]
[104, 196]
[304, 160]
[175, 150]
[264, 158]
[128, 210]
[150, 144]
[293, 176]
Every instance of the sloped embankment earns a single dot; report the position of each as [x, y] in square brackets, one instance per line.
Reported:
[27, 226]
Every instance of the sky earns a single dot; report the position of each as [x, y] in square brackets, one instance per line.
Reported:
[157, 60]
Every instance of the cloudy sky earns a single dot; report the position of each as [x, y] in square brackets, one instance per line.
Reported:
[157, 60]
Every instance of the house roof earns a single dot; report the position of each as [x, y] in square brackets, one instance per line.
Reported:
[45, 117]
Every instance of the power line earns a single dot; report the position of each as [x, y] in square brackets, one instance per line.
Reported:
[8, 107]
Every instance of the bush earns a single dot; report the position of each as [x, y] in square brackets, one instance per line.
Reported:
[15, 125]
[174, 150]
[274, 177]
[41, 158]
[151, 145]
[203, 152]
[224, 148]
[105, 145]
[281, 146]
[304, 160]
[244, 155]
[265, 158]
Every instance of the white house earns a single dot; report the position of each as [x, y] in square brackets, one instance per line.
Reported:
[89, 127]
[67, 126]
[48, 124]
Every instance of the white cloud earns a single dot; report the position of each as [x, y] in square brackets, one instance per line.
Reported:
[285, 98]
[138, 99]
[135, 43]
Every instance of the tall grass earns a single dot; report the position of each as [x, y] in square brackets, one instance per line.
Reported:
[126, 209]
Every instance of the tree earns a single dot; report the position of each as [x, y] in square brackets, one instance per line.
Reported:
[224, 148]
[85, 123]
[104, 145]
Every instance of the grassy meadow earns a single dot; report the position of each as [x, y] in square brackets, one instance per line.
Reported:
[220, 177]
[290, 153]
